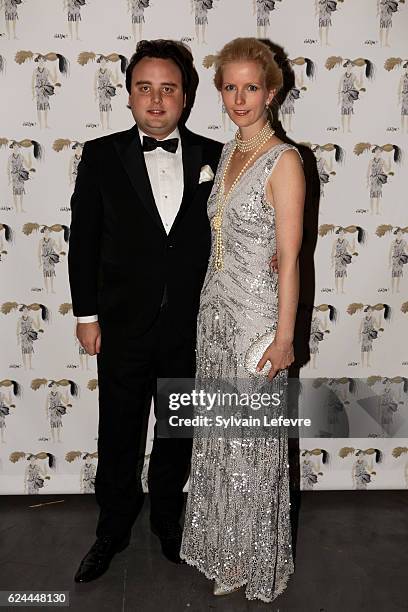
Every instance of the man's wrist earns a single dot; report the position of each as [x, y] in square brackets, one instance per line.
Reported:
[88, 319]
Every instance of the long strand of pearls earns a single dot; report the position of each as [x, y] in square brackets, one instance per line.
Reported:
[257, 142]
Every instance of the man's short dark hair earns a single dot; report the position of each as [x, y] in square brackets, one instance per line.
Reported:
[180, 54]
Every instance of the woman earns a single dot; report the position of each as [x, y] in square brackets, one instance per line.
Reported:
[49, 256]
[398, 258]
[377, 172]
[237, 528]
[18, 169]
[27, 333]
[54, 409]
[348, 93]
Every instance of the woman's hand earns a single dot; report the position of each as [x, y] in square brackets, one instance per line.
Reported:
[281, 356]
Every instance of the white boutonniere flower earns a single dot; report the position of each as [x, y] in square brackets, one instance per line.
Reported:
[206, 174]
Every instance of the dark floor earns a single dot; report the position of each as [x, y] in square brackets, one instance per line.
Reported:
[351, 557]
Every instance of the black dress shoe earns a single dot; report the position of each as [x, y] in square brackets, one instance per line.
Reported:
[97, 560]
[169, 534]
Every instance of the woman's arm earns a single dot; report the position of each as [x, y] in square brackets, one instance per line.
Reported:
[287, 188]
[286, 192]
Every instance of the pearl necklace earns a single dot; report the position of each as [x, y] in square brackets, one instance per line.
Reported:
[223, 198]
[252, 143]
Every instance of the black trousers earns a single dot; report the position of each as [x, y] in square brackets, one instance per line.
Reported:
[127, 372]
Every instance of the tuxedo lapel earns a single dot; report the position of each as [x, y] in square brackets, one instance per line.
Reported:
[130, 152]
[192, 162]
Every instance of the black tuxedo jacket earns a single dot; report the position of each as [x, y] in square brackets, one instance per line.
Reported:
[122, 264]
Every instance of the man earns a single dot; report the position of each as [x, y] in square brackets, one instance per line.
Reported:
[139, 248]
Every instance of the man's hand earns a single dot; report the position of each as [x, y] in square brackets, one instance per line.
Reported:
[89, 335]
[274, 263]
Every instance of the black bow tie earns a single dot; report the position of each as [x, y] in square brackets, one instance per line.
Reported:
[150, 144]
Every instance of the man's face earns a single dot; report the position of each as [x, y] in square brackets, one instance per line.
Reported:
[157, 99]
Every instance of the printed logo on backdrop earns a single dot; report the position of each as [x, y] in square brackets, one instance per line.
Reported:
[357, 72]
[326, 156]
[301, 67]
[20, 167]
[87, 472]
[386, 9]
[106, 81]
[6, 240]
[262, 9]
[323, 316]
[324, 10]
[362, 470]
[77, 147]
[29, 330]
[9, 390]
[343, 249]
[370, 330]
[11, 16]
[379, 169]
[402, 91]
[200, 8]
[45, 80]
[397, 254]
[401, 453]
[64, 309]
[49, 249]
[36, 474]
[58, 403]
[311, 465]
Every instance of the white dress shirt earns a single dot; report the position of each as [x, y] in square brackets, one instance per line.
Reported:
[166, 177]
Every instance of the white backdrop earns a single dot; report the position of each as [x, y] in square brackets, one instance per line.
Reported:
[36, 190]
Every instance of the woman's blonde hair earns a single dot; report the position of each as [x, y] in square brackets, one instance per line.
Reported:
[247, 50]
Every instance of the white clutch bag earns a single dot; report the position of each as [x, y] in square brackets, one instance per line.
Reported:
[255, 352]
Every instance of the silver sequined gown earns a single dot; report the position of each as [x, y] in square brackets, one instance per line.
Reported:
[237, 526]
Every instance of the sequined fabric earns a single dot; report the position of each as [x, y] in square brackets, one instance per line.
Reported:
[237, 527]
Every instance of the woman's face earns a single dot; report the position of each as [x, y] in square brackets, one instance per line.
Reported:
[244, 92]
